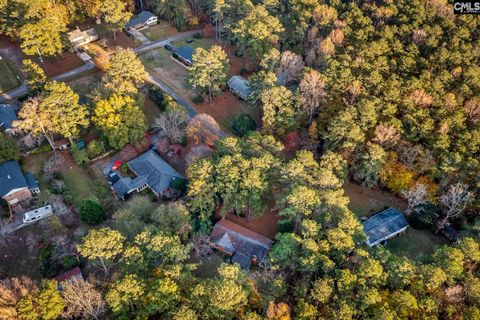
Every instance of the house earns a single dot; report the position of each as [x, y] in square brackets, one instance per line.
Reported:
[239, 86]
[243, 245]
[15, 186]
[141, 21]
[384, 225]
[69, 276]
[184, 54]
[151, 172]
[80, 38]
[7, 117]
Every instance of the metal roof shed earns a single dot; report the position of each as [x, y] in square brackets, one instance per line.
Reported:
[239, 86]
[384, 225]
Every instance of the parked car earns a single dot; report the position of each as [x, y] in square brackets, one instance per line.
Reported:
[168, 47]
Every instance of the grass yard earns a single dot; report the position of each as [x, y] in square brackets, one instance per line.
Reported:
[151, 110]
[414, 243]
[159, 31]
[8, 76]
[78, 182]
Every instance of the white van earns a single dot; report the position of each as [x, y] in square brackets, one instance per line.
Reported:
[37, 214]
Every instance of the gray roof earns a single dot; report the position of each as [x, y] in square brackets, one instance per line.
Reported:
[242, 243]
[140, 18]
[185, 52]
[7, 116]
[383, 225]
[11, 177]
[31, 181]
[150, 169]
[127, 184]
[240, 84]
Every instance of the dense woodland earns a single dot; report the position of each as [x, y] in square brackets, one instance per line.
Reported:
[384, 93]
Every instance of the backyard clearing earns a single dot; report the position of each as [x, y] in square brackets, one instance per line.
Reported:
[9, 75]
[414, 243]
[159, 31]
[58, 65]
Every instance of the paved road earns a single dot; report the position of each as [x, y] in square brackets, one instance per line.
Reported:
[23, 90]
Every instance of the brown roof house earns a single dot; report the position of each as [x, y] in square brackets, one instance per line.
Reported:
[244, 246]
[15, 186]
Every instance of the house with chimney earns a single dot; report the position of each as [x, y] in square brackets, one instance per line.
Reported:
[16, 186]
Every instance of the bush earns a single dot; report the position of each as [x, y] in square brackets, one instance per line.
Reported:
[8, 148]
[243, 124]
[95, 148]
[198, 35]
[80, 156]
[424, 216]
[69, 262]
[198, 99]
[156, 95]
[91, 212]
[179, 185]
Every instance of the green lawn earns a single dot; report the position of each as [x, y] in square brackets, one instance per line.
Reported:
[415, 244]
[151, 110]
[159, 31]
[8, 76]
[78, 183]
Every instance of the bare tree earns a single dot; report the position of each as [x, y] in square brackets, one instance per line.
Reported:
[172, 124]
[472, 110]
[203, 129]
[196, 153]
[12, 290]
[290, 68]
[386, 135]
[82, 300]
[58, 205]
[312, 92]
[201, 245]
[415, 196]
[454, 202]
[53, 164]
[415, 156]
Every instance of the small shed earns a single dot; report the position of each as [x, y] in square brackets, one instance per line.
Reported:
[239, 86]
[69, 276]
[384, 225]
[62, 144]
[141, 21]
[185, 54]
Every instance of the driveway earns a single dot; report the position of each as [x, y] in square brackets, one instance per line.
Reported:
[161, 43]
